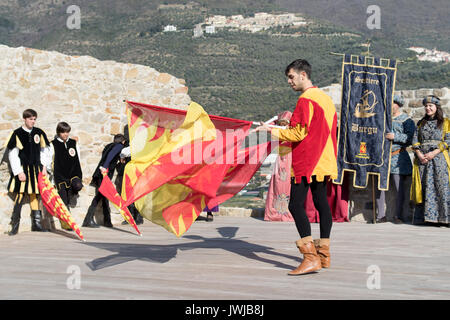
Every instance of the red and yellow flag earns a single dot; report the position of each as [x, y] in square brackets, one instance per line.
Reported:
[182, 161]
[54, 204]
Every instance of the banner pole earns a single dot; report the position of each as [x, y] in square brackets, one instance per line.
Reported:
[373, 200]
[342, 54]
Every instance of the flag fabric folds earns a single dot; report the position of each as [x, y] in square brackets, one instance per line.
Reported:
[367, 94]
[54, 204]
[108, 189]
[182, 161]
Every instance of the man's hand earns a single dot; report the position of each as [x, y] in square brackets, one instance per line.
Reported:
[22, 177]
[44, 171]
[262, 127]
[103, 170]
[390, 136]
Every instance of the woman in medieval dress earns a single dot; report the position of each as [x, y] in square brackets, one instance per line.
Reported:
[277, 200]
[430, 187]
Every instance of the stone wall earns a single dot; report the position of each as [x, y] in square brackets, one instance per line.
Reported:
[88, 94]
[361, 204]
[83, 91]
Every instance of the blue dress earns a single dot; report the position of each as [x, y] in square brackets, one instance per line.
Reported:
[434, 175]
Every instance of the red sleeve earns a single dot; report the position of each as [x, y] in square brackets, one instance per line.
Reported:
[301, 113]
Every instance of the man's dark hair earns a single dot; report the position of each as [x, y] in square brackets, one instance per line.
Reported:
[299, 65]
[29, 113]
[119, 138]
[63, 127]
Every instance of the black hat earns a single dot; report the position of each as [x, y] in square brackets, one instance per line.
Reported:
[431, 99]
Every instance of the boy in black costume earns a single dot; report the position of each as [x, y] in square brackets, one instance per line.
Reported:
[64, 154]
[27, 146]
[108, 163]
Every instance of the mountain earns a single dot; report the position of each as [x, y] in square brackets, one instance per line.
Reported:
[408, 22]
[232, 73]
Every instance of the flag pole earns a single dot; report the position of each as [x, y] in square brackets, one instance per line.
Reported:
[373, 200]
[274, 118]
[258, 123]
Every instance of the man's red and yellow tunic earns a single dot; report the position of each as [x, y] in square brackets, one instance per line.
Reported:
[313, 133]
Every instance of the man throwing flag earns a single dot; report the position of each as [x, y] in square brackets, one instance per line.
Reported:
[312, 131]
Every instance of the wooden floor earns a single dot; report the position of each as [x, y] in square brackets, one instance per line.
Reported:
[230, 258]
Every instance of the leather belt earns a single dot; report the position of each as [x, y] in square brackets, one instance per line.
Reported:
[431, 142]
[402, 149]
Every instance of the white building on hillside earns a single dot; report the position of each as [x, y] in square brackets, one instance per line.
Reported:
[210, 29]
[260, 21]
[169, 28]
[198, 31]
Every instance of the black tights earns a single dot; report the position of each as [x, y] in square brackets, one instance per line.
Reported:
[299, 191]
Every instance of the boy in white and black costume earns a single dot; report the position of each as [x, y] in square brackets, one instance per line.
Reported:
[26, 146]
[64, 154]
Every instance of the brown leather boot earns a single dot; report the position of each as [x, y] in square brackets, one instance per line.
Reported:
[311, 261]
[323, 250]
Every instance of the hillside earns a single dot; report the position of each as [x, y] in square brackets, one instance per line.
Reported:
[231, 73]
[407, 22]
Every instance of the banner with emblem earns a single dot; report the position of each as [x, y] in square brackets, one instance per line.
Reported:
[365, 118]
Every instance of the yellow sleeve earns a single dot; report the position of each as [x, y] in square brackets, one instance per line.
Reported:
[295, 134]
